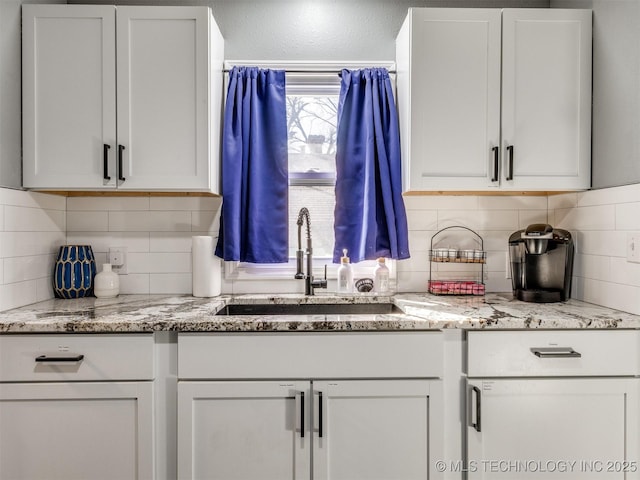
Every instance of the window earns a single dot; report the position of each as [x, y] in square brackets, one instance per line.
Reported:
[312, 121]
[312, 106]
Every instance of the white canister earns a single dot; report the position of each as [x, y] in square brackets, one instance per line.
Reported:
[206, 270]
[106, 284]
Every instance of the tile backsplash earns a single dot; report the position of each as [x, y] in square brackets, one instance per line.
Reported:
[33, 226]
[157, 232]
[602, 220]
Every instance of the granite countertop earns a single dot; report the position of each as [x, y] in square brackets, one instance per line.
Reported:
[149, 313]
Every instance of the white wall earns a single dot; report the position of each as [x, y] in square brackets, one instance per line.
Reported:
[616, 89]
[602, 219]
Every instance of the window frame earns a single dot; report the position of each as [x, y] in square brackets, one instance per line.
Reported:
[308, 78]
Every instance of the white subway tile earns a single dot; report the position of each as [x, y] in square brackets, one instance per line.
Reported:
[102, 241]
[516, 202]
[14, 295]
[421, 220]
[608, 196]
[135, 284]
[592, 266]
[528, 217]
[42, 201]
[206, 221]
[19, 269]
[565, 200]
[152, 221]
[186, 203]
[419, 241]
[496, 262]
[171, 241]
[1, 271]
[624, 272]
[496, 240]
[25, 219]
[612, 295]
[170, 283]
[612, 244]
[419, 262]
[497, 282]
[409, 282]
[599, 217]
[479, 219]
[20, 244]
[44, 289]
[628, 216]
[87, 221]
[159, 262]
[107, 203]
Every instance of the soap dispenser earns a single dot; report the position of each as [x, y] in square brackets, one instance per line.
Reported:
[345, 274]
[381, 277]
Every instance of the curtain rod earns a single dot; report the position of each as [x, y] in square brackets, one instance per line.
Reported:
[337, 72]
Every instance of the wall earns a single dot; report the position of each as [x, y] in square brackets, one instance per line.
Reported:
[325, 30]
[32, 228]
[616, 89]
[602, 219]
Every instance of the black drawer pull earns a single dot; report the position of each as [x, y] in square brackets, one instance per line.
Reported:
[555, 352]
[45, 358]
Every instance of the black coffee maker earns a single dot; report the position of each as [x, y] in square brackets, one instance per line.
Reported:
[541, 263]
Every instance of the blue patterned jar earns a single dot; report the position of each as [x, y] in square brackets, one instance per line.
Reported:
[74, 271]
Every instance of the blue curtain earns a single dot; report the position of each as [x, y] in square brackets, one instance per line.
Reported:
[253, 224]
[370, 218]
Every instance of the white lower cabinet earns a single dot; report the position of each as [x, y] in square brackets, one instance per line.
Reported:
[76, 407]
[291, 428]
[553, 406]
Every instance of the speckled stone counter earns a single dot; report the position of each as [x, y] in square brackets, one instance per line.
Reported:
[149, 313]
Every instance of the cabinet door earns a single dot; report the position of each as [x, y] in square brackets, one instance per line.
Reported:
[243, 430]
[570, 429]
[69, 96]
[163, 101]
[63, 431]
[454, 100]
[375, 429]
[546, 98]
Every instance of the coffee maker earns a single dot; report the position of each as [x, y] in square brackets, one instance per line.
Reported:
[541, 263]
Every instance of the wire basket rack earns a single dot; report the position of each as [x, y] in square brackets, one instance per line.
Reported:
[441, 253]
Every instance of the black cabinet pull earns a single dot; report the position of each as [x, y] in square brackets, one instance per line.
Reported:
[120, 176]
[301, 414]
[105, 159]
[510, 169]
[320, 415]
[477, 424]
[496, 159]
[45, 358]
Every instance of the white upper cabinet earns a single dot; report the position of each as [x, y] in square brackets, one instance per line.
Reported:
[164, 67]
[495, 99]
[546, 99]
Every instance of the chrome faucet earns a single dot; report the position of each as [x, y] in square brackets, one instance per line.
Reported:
[309, 283]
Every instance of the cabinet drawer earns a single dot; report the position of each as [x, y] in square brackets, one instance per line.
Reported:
[52, 358]
[310, 355]
[553, 353]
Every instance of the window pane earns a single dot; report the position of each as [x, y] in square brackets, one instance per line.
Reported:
[312, 123]
[320, 201]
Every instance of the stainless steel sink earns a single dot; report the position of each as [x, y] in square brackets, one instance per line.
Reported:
[310, 309]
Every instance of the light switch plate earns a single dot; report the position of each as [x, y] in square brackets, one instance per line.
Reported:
[633, 247]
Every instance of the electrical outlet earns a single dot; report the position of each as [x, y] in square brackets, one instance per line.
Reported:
[633, 247]
[118, 259]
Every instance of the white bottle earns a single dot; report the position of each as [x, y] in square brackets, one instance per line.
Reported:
[106, 284]
[381, 277]
[345, 274]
